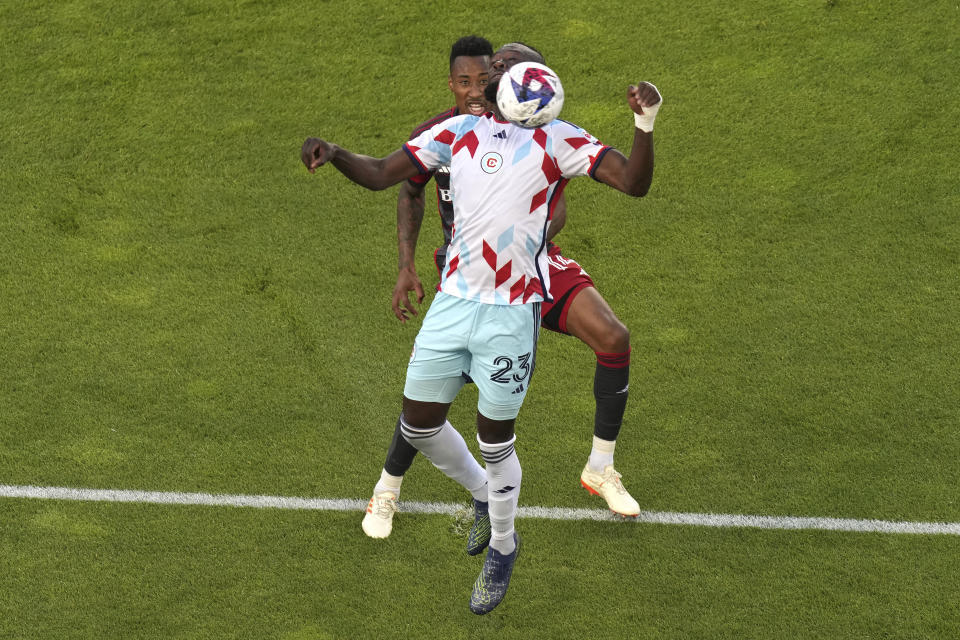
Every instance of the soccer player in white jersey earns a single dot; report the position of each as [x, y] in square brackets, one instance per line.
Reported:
[577, 309]
[485, 318]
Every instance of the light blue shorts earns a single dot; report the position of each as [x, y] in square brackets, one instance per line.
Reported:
[494, 344]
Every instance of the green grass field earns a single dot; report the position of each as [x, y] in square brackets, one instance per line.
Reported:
[184, 308]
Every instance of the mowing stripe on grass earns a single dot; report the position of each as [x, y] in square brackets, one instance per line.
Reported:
[548, 513]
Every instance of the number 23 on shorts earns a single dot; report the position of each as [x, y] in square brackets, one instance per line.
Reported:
[507, 373]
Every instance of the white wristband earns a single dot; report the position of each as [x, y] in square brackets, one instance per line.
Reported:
[645, 120]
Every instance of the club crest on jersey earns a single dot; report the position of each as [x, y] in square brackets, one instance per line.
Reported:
[491, 162]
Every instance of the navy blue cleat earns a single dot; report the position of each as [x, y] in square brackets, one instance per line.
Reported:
[480, 531]
[491, 585]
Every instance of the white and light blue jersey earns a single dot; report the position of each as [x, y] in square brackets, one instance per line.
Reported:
[505, 181]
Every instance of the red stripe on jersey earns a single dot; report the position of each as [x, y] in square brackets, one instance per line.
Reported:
[614, 360]
[469, 141]
[538, 200]
[445, 137]
[503, 274]
[540, 137]
[490, 255]
[453, 265]
[550, 169]
[533, 287]
[517, 289]
[576, 143]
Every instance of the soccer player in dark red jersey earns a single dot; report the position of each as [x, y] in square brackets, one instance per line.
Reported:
[577, 309]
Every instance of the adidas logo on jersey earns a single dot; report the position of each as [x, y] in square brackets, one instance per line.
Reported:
[518, 390]
[500, 134]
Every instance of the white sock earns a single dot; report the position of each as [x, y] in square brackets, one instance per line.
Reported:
[602, 454]
[504, 475]
[446, 449]
[388, 483]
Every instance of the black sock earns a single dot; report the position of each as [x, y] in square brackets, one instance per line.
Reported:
[610, 384]
[401, 454]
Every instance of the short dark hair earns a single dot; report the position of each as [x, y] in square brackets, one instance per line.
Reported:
[470, 46]
[524, 44]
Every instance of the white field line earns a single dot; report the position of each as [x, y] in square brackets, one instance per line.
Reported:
[548, 513]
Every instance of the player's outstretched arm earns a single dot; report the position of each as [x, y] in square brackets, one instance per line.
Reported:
[410, 206]
[372, 173]
[634, 175]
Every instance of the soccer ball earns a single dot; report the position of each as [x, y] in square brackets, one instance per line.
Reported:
[530, 94]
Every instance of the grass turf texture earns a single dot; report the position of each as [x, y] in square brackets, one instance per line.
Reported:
[184, 308]
[145, 571]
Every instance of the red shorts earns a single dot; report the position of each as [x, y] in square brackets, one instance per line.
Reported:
[567, 279]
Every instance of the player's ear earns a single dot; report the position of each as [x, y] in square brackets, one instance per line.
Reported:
[450, 82]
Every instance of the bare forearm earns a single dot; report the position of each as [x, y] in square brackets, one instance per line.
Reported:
[634, 175]
[410, 207]
[364, 170]
[372, 173]
[639, 169]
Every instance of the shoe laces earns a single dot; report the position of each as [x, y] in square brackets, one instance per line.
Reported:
[613, 477]
[384, 505]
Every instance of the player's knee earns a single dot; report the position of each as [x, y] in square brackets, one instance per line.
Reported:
[615, 338]
[424, 414]
[492, 430]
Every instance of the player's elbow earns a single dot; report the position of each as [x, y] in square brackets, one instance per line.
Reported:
[376, 180]
[637, 189]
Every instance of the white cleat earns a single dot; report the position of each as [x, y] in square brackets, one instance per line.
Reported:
[379, 519]
[607, 485]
